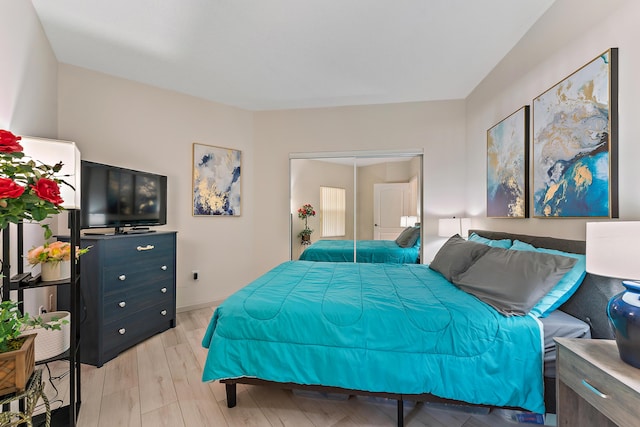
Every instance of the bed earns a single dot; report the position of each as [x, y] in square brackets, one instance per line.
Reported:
[398, 331]
[371, 251]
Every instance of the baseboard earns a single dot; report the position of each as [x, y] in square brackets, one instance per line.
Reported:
[198, 306]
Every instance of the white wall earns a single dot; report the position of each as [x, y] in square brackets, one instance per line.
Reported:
[28, 96]
[128, 124]
[569, 35]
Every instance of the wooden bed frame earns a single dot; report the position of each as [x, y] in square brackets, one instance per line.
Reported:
[587, 304]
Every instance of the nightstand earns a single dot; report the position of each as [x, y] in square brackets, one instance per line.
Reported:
[594, 386]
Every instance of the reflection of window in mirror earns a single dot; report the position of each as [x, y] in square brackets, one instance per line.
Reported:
[333, 206]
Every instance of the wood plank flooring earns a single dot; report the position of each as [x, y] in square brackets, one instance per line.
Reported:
[158, 383]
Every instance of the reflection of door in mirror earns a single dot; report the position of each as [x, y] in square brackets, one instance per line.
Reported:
[371, 172]
[390, 205]
[357, 174]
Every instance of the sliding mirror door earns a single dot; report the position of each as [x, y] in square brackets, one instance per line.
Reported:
[334, 219]
[357, 200]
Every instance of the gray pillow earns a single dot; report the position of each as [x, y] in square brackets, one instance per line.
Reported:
[408, 237]
[456, 255]
[513, 281]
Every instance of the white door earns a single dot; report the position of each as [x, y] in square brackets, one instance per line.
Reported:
[390, 203]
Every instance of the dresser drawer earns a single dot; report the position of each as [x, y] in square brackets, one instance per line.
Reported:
[128, 277]
[127, 303]
[601, 390]
[138, 249]
[128, 331]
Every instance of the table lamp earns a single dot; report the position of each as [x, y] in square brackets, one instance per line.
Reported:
[448, 227]
[612, 250]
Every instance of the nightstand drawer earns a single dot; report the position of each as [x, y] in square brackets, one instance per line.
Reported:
[598, 385]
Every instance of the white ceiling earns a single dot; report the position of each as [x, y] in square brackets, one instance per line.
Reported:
[280, 54]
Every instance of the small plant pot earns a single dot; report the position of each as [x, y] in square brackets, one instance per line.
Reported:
[52, 271]
[51, 342]
[16, 367]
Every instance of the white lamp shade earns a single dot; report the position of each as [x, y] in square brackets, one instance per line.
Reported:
[447, 227]
[465, 225]
[613, 249]
[51, 152]
[408, 221]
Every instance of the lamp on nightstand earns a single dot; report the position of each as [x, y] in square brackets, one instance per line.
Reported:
[612, 250]
[448, 227]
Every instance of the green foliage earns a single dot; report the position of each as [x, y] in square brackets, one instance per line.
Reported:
[12, 324]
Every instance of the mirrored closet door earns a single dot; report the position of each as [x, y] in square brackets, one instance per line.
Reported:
[355, 198]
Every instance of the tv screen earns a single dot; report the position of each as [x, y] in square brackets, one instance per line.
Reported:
[112, 196]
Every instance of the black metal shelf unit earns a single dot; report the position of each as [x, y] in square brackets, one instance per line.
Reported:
[66, 415]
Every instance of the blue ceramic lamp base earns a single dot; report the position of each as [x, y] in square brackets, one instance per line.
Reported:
[624, 314]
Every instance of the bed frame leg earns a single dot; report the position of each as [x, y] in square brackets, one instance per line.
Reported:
[231, 394]
[400, 413]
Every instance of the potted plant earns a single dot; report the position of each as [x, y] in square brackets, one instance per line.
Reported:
[29, 191]
[55, 259]
[304, 213]
[17, 352]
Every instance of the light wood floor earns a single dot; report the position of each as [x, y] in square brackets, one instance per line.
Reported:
[158, 383]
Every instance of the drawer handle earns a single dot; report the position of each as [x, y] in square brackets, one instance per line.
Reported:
[122, 277]
[164, 268]
[122, 304]
[122, 331]
[163, 290]
[163, 312]
[594, 390]
[145, 248]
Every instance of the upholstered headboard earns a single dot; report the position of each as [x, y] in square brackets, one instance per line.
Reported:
[589, 303]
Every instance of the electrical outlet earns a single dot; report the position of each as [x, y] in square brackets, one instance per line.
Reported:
[195, 274]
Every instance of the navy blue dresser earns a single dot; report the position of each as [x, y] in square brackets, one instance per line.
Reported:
[128, 292]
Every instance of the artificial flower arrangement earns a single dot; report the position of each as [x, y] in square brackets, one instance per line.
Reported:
[29, 191]
[304, 213]
[53, 253]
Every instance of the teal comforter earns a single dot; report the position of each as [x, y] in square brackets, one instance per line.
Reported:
[366, 251]
[375, 327]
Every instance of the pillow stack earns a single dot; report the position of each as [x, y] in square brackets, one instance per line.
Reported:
[515, 281]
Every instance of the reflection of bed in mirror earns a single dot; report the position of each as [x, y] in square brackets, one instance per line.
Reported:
[405, 249]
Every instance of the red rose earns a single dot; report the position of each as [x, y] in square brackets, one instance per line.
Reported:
[9, 142]
[47, 189]
[9, 189]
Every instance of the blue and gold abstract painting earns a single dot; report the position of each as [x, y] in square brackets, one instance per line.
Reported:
[572, 145]
[216, 180]
[507, 166]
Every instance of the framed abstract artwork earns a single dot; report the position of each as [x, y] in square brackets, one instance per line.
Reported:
[575, 141]
[508, 166]
[216, 181]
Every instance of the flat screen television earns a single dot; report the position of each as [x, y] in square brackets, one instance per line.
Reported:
[116, 197]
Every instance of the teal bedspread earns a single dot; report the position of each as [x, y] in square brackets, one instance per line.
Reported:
[366, 251]
[375, 327]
